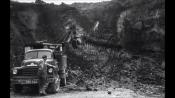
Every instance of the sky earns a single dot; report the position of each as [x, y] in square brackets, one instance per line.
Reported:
[65, 1]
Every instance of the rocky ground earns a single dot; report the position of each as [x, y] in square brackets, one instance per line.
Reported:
[66, 92]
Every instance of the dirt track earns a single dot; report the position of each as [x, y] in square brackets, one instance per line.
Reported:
[117, 93]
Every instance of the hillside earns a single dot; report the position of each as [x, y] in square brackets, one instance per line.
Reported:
[123, 40]
[32, 22]
[121, 17]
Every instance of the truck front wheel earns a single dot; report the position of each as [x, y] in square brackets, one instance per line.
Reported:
[17, 88]
[54, 87]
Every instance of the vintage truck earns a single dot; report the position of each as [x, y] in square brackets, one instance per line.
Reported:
[27, 74]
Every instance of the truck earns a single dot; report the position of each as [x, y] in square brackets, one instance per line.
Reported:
[27, 74]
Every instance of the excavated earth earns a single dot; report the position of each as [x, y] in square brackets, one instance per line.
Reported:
[82, 93]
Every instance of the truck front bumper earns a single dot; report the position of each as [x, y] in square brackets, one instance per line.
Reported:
[28, 80]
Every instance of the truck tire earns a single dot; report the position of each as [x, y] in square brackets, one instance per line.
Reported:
[54, 87]
[63, 81]
[17, 88]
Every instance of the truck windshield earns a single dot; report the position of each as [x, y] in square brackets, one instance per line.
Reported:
[37, 54]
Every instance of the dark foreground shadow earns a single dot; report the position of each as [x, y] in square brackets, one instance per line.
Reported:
[26, 93]
[29, 92]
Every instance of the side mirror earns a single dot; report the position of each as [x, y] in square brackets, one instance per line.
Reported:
[75, 43]
[56, 54]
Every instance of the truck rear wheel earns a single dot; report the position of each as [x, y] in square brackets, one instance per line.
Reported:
[63, 81]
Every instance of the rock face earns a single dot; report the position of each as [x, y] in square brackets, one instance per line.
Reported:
[129, 23]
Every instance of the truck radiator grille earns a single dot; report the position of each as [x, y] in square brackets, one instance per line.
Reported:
[28, 72]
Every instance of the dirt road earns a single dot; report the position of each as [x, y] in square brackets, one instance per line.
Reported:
[117, 93]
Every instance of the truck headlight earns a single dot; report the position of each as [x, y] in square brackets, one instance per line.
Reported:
[50, 70]
[15, 71]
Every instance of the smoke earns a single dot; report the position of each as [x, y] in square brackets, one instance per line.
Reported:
[96, 26]
[29, 19]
